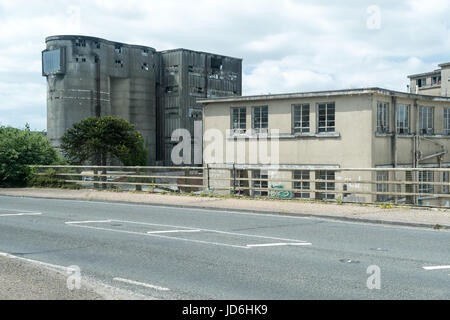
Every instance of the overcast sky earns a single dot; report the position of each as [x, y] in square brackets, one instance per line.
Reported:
[286, 45]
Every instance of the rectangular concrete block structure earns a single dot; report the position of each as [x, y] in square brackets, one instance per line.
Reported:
[435, 83]
[155, 91]
[355, 128]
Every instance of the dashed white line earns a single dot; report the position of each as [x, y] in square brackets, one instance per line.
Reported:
[436, 267]
[21, 214]
[88, 221]
[172, 231]
[279, 244]
[142, 284]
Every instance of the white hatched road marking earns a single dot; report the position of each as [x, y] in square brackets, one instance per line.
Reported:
[290, 242]
[142, 284]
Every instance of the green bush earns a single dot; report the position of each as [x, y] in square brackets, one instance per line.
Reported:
[18, 150]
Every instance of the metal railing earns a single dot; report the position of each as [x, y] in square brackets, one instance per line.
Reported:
[418, 186]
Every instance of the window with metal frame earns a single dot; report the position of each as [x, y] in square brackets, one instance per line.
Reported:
[325, 185]
[425, 176]
[403, 119]
[382, 187]
[238, 120]
[447, 121]
[326, 117]
[382, 117]
[445, 179]
[426, 120]
[300, 118]
[301, 185]
[260, 119]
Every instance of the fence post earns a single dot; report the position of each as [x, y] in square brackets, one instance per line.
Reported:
[234, 179]
[207, 173]
[138, 187]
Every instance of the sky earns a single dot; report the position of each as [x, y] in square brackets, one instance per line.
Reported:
[286, 45]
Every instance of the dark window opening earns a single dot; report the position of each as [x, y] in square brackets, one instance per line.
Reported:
[216, 63]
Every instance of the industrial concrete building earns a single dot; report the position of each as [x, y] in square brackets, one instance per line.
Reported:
[435, 83]
[356, 128]
[155, 91]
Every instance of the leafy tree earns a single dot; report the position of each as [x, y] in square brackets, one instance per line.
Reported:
[18, 150]
[102, 139]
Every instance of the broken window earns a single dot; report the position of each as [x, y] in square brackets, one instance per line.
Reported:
[80, 43]
[382, 187]
[382, 117]
[97, 44]
[216, 63]
[118, 49]
[326, 117]
[260, 119]
[301, 185]
[260, 182]
[301, 118]
[402, 119]
[422, 82]
[144, 66]
[171, 89]
[426, 120]
[83, 59]
[447, 121]
[238, 120]
[326, 176]
[145, 52]
[425, 176]
[436, 80]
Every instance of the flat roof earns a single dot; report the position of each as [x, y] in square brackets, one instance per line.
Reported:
[195, 51]
[329, 93]
[438, 71]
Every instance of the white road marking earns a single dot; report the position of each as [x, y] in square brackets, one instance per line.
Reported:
[88, 221]
[142, 284]
[278, 244]
[183, 229]
[21, 214]
[172, 231]
[161, 236]
[436, 267]
[44, 264]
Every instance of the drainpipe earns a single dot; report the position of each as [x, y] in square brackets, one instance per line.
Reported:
[394, 145]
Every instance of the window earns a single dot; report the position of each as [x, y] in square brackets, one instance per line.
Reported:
[260, 119]
[445, 179]
[422, 82]
[425, 176]
[325, 185]
[144, 66]
[382, 117]
[402, 119]
[425, 120]
[382, 187]
[51, 61]
[301, 175]
[216, 63]
[144, 52]
[118, 49]
[326, 117]
[80, 43]
[260, 184]
[447, 121]
[238, 120]
[301, 118]
[171, 89]
[436, 80]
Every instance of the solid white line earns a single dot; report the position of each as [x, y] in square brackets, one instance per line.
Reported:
[278, 244]
[44, 264]
[21, 214]
[142, 284]
[171, 231]
[436, 267]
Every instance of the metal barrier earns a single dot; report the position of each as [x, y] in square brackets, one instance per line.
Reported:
[418, 186]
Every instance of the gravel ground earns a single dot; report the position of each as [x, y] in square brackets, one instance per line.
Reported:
[406, 215]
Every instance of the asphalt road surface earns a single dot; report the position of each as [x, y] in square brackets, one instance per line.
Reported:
[176, 253]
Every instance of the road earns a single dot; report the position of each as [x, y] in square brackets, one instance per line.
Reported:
[176, 253]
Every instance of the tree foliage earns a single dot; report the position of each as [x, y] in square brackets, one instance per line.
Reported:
[102, 139]
[18, 150]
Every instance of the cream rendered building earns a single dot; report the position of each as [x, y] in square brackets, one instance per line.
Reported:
[355, 128]
[436, 83]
